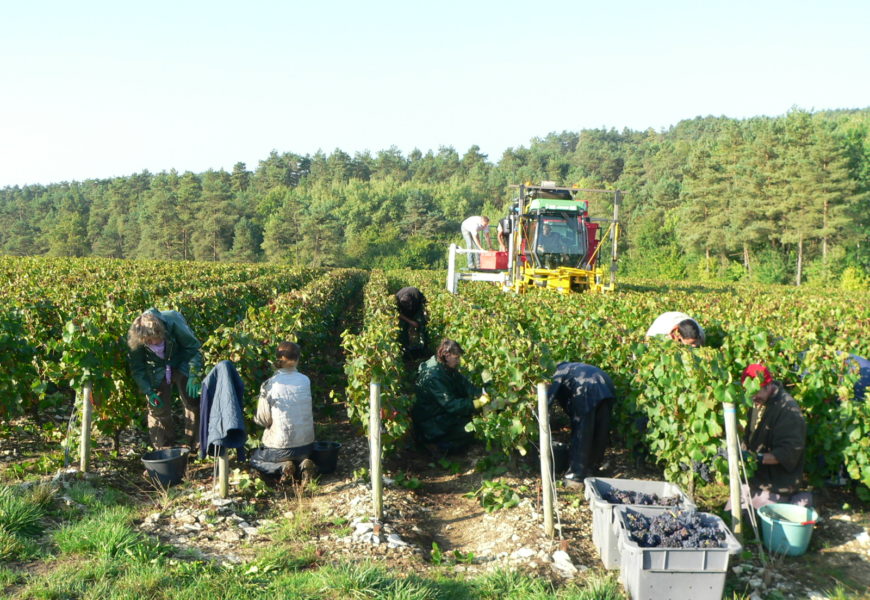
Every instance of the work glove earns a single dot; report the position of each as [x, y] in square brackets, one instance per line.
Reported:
[154, 399]
[193, 386]
[481, 402]
[759, 456]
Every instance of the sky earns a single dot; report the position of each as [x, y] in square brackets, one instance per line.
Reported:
[96, 89]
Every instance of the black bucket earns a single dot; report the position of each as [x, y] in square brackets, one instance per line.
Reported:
[166, 466]
[561, 457]
[325, 456]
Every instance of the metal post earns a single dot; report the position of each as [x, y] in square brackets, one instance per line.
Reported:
[224, 473]
[733, 467]
[87, 412]
[617, 200]
[375, 450]
[451, 269]
[546, 462]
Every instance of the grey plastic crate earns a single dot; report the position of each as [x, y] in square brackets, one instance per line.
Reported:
[673, 573]
[604, 535]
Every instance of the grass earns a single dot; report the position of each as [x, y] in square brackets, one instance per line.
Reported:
[97, 552]
[21, 516]
[107, 534]
[115, 579]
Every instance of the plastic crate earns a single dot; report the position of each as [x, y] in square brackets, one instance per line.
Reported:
[604, 535]
[673, 573]
[492, 260]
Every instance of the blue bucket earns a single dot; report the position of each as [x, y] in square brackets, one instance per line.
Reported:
[787, 528]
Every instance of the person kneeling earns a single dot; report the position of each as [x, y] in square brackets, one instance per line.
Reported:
[284, 409]
[445, 402]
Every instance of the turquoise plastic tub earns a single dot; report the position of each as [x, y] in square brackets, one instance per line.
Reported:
[787, 528]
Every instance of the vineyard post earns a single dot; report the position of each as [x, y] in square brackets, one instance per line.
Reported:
[375, 449]
[451, 269]
[617, 201]
[87, 412]
[546, 465]
[733, 468]
[224, 473]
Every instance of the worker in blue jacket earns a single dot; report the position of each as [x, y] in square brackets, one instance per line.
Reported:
[587, 395]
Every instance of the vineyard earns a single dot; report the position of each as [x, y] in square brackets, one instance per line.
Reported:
[63, 324]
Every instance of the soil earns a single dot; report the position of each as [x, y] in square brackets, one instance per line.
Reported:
[430, 522]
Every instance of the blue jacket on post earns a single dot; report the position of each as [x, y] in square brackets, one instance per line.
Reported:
[221, 419]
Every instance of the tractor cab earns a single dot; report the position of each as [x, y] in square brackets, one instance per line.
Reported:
[559, 234]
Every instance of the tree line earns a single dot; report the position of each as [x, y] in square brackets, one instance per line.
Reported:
[774, 199]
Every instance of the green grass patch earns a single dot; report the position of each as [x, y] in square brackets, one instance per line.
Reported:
[94, 498]
[107, 534]
[18, 515]
[21, 516]
[281, 574]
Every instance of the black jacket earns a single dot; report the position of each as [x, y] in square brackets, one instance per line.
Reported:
[781, 430]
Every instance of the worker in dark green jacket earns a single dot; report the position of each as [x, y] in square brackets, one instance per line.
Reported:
[445, 402]
[164, 353]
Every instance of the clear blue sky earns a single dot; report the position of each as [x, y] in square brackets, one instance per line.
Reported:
[93, 89]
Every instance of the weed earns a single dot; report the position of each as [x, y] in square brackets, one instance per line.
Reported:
[361, 474]
[436, 556]
[107, 534]
[10, 545]
[496, 495]
[453, 467]
[94, 499]
[41, 495]
[406, 481]
[18, 516]
[8, 577]
[251, 485]
[247, 511]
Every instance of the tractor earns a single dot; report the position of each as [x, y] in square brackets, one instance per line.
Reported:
[552, 242]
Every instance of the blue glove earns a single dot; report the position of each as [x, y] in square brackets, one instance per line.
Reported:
[154, 399]
[193, 386]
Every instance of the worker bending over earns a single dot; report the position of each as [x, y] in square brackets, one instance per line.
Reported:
[679, 327]
[411, 304]
[587, 395]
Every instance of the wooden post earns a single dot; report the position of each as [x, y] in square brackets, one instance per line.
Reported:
[87, 412]
[733, 468]
[546, 447]
[375, 450]
[224, 473]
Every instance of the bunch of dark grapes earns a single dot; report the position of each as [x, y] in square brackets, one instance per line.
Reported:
[674, 528]
[614, 496]
[703, 468]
